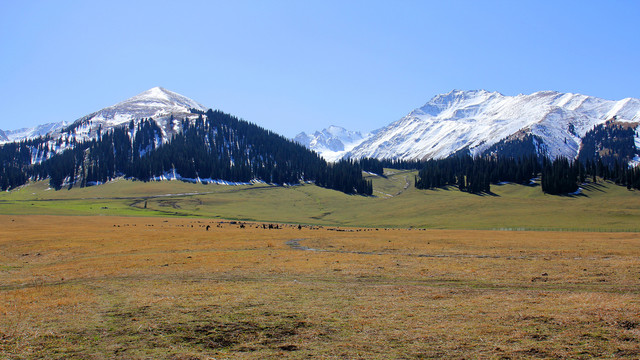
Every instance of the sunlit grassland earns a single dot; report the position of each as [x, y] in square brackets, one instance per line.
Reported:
[101, 287]
[396, 203]
[139, 276]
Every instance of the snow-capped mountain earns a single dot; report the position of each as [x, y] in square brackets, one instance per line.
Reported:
[331, 143]
[166, 108]
[476, 120]
[160, 135]
[30, 133]
[157, 103]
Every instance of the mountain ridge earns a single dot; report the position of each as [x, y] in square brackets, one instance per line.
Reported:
[477, 119]
[31, 132]
[332, 142]
[470, 121]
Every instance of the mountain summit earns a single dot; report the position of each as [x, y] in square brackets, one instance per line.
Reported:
[480, 121]
[157, 103]
[331, 143]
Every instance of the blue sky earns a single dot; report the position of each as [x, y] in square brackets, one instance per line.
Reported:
[293, 66]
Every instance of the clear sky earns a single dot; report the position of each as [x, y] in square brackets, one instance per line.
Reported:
[293, 66]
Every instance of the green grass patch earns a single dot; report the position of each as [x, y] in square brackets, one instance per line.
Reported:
[396, 203]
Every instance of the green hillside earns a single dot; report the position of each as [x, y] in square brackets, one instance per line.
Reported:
[396, 203]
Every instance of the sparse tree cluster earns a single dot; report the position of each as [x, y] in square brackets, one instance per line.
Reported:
[475, 175]
[345, 176]
[371, 165]
[560, 176]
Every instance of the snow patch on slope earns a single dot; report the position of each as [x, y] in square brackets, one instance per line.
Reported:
[173, 175]
[636, 159]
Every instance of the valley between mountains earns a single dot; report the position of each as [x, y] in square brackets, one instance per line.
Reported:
[478, 226]
[477, 138]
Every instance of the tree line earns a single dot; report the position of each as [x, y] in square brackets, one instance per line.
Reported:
[219, 146]
[476, 174]
[214, 146]
[558, 176]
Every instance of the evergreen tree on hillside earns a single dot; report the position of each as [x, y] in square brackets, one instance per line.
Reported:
[560, 177]
[475, 175]
[609, 143]
[215, 146]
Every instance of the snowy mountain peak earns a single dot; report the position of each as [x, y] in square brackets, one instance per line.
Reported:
[161, 96]
[336, 130]
[30, 133]
[331, 143]
[456, 98]
[476, 120]
[158, 103]
[461, 96]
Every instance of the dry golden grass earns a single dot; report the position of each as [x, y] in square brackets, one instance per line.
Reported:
[142, 288]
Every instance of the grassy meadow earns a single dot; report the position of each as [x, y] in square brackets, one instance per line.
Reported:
[103, 287]
[396, 203]
[172, 270]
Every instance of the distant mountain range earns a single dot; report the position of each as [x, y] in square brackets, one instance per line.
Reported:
[479, 122]
[333, 142]
[30, 133]
[476, 122]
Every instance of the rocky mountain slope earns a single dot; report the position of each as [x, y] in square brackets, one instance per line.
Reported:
[478, 121]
